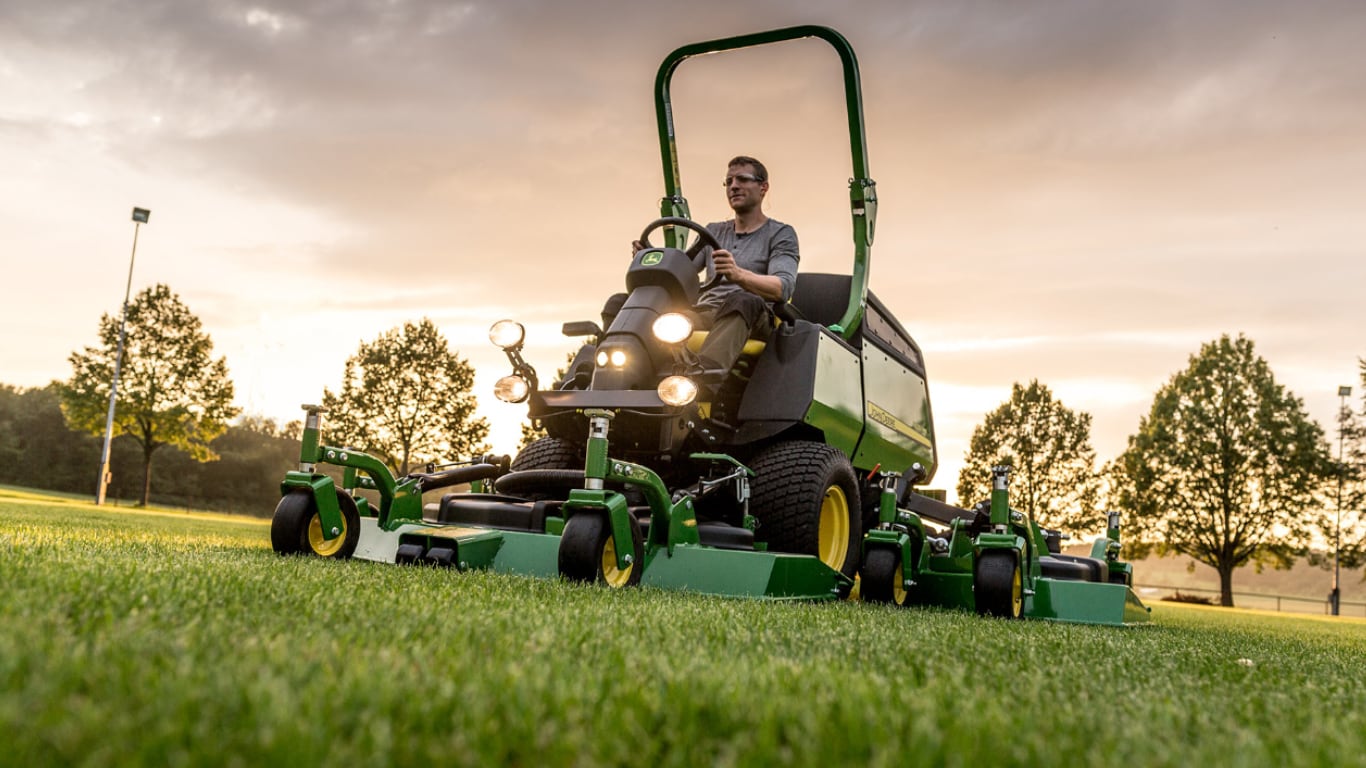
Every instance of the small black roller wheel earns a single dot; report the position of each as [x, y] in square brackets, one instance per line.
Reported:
[297, 527]
[882, 579]
[999, 585]
[409, 554]
[588, 554]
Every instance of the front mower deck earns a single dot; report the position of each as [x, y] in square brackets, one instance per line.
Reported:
[689, 567]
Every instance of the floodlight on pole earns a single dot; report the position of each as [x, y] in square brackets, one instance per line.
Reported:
[140, 217]
[1335, 598]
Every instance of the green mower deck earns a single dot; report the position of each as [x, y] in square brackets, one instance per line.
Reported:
[689, 567]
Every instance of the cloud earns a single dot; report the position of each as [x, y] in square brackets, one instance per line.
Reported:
[1116, 181]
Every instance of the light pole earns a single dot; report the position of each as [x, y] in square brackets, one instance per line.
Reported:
[1336, 597]
[140, 216]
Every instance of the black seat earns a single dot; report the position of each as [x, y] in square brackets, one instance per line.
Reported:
[821, 298]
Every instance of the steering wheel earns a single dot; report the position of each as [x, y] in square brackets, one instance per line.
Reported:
[704, 235]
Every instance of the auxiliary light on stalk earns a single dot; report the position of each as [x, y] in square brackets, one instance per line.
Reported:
[512, 389]
[507, 334]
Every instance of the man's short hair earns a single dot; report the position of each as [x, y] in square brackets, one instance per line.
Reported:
[759, 169]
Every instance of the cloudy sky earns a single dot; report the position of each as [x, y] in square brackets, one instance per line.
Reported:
[1079, 192]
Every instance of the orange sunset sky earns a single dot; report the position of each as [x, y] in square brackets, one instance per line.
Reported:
[1079, 192]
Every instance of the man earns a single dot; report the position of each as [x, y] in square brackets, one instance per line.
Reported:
[756, 265]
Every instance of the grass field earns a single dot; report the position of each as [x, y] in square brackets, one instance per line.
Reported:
[177, 639]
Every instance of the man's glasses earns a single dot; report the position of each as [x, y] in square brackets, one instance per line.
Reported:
[744, 178]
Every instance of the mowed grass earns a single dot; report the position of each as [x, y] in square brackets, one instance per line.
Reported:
[132, 639]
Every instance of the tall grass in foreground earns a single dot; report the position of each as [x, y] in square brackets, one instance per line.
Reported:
[171, 640]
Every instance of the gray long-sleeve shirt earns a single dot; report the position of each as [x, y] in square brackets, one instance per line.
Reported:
[769, 250]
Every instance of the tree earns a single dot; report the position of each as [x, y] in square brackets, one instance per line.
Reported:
[1225, 466]
[1048, 448]
[171, 391]
[1345, 510]
[38, 450]
[405, 398]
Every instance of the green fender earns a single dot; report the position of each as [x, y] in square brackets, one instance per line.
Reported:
[612, 504]
[324, 492]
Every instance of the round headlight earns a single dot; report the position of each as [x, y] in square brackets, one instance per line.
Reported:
[507, 334]
[602, 359]
[677, 390]
[672, 328]
[618, 357]
[511, 389]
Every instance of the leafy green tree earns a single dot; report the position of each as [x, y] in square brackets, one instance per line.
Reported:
[171, 391]
[405, 398]
[1048, 447]
[1225, 467]
[1345, 507]
[37, 450]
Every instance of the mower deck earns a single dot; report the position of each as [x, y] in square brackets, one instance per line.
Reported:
[689, 567]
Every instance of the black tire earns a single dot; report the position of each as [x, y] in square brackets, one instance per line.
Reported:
[297, 528]
[806, 499]
[548, 453]
[587, 553]
[881, 577]
[998, 585]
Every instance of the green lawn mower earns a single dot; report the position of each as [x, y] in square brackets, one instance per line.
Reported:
[780, 478]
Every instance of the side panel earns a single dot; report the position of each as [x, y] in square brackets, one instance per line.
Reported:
[899, 430]
[805, 375]
[837, 407]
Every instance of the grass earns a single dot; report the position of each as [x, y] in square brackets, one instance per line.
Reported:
[172, 639]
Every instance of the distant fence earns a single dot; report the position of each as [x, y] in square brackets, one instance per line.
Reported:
[1287, 603]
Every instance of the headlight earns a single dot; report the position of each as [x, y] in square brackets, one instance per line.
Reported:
[602, 358]
[511, 389]
[507, 334]
[618, 357]
[677, 390]
[672, 328]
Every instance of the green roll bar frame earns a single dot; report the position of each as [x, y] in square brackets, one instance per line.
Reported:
[862, 189]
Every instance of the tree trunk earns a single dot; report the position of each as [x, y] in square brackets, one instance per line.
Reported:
[1225, 585]
[146, 477]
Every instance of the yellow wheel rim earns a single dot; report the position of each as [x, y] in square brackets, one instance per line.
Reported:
[614, 576]
[833, 544]
[899, 586]
[1016, 593]
[321, 546]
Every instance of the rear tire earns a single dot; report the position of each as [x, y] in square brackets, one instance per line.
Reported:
[547, 453]
[588, 554]
[806, 499]
[297, 527]
[882, 578]
[998, 585]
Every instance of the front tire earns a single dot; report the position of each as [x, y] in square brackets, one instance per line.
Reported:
[552, 468]
[882, 577]
[806, 498]
[588, 554]
[297, 527]
[998, 585]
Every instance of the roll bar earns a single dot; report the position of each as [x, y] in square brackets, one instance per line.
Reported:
[862, 192]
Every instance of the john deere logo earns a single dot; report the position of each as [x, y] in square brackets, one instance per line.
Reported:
[651, 258]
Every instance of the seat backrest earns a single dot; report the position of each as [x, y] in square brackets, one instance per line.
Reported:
[821, 298]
